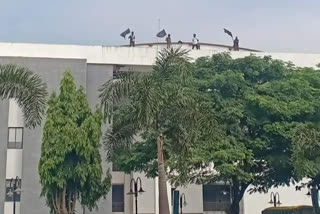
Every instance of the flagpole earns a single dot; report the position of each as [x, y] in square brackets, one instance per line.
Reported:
[157, 37]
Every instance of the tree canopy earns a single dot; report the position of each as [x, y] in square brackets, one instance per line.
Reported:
[70, 165]
[238, 123]
[158, 115]
[306, 158]
[259, 102]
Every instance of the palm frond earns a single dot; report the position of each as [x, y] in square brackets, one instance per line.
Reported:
[113, 90]
[172, 63]
[169, 59]
[121, 135]
[120, 139]
[27, 88]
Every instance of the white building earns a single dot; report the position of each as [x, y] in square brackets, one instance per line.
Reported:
[91, 66]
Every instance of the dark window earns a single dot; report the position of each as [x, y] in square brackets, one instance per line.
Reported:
[216, 197]
[15, 138]
[118, 198]
[10, 190]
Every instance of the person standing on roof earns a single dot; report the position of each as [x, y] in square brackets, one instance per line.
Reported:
[236, 44]
[168, 40]
[132, 38]
[195, 42]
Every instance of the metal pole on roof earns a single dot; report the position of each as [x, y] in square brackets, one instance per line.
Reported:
[159, 27]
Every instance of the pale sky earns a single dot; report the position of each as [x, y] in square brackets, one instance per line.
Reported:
[268, 25]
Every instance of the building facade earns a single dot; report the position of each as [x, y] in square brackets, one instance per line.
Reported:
[91, 67]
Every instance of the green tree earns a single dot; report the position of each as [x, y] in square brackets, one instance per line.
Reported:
[70, 164]
[247, 114]
[159, 109]
[258, 102]
[27, 88]
[295, 101]
[306, 158]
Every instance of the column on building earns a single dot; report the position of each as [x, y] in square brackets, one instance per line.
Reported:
[14, 158]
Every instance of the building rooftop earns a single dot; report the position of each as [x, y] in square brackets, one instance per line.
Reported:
[189, 44]
[143, 54]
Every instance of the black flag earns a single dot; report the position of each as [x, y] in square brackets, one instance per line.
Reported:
[228, 32]
[161, 34]
[124, 33]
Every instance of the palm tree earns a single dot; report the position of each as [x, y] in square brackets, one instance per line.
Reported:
[152, 97]
[27, 88]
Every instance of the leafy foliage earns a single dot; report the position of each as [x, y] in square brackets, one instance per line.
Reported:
[258, 102]
[306, 154]
[162, 106]
[232, 120]
[27, 88]
[306, 158]
[70, 164]
[233, 89]
[165, 101]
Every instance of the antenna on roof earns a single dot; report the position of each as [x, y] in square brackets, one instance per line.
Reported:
[159, 27]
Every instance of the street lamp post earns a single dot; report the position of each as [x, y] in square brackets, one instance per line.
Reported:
[135, 188]
[182, 197]
[15, 184]
[273, 199]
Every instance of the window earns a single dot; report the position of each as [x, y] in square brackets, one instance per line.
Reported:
[15, 138]
[10, 190]
[216, 197]
[118, 198]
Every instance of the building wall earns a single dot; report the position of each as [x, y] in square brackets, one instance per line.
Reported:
[146, 200]
[51, 71]
[142, 56]
[188, 46]
[194, 198]
[14, 156]
[4, 108]
[255, 203]
[96, 75]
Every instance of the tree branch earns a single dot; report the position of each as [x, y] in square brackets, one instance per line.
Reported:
[69, 203]
[54, 204]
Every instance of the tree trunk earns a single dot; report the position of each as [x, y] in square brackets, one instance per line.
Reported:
[315, 199]
[235, 207]
[58, 203]
[63, 203]
[163, 193]
[54, 204]
[74, 201]
[238, 191]
[70, 211]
